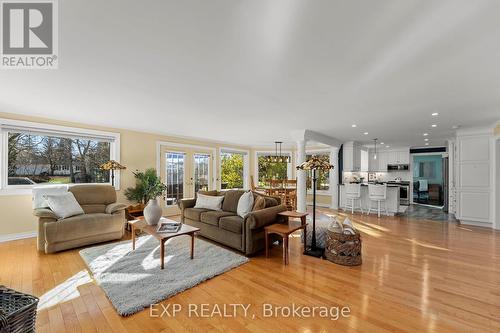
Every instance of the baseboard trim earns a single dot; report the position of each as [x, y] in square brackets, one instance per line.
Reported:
[319, 204]
[12, 237]
[488, 225]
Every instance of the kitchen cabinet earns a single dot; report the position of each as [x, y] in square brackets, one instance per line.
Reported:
[385, 157]
[398, 157]
[352, 157]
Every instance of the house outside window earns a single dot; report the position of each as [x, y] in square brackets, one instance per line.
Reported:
[44, 155]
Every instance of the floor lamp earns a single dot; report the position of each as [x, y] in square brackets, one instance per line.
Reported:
[112, 166]
[313, 164]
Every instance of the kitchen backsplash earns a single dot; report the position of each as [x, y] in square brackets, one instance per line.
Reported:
[381, 176]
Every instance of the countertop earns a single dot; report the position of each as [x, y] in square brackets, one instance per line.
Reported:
[388, 184]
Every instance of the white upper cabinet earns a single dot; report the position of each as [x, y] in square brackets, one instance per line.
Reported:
[364, 160]
[352, 157]
[398, 157]
[385, 157]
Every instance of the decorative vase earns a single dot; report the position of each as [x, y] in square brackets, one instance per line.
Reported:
[152, 212]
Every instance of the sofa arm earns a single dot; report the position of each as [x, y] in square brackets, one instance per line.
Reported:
[115, 207]
[45, 213]
[187, 203]
[263, 217]
[45, 216]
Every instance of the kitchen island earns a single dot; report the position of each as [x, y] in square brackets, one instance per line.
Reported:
[392, 199]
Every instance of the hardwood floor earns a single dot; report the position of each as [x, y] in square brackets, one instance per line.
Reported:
[417, 276]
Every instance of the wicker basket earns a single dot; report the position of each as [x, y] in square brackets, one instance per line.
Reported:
[17, 311]
[343, 249]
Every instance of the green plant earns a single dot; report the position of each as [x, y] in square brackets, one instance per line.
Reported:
[147, 186]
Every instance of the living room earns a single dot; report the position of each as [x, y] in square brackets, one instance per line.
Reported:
[250, 166]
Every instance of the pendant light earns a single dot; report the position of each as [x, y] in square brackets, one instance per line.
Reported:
[375, 148]
[278, 157]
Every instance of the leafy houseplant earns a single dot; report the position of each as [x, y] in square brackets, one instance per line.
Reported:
[147, 188]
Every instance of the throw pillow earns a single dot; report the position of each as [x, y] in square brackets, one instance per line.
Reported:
[209, 202]
[245, 204]
[64, 205]
[39, 194]
[260, 203]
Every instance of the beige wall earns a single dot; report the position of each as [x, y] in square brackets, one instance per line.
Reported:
[321, 200]
[138, 152]
[497, 129]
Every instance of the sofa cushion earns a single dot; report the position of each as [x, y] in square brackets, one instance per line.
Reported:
[94, 194]
[231, 223]
[231, 198]
[94, 208]
[212, 217]
[194, 213]
[81, 226]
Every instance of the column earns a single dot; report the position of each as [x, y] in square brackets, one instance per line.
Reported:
[301, 178]
[334, 177]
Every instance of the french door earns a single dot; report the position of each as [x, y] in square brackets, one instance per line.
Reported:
[185, 171]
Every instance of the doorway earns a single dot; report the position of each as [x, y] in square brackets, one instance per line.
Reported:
[185, 170]
[429, 179]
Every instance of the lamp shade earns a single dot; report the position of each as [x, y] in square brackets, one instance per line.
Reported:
[112, 165]
[315, 163]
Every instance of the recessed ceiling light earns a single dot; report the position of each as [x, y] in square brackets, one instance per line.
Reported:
[426, 139]
[427, 144]
[455, 126]
[435, 114]
[434, 125]
[353, 125]
[381, 143]
[365, 133]
[388, 146]
[425, 134]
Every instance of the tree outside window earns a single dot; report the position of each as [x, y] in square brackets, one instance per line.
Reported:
[270, 170]
[323, 176]
[43, 159]
[232, 170]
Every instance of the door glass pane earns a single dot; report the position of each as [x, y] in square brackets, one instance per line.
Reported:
[201, 172]
[174, 174]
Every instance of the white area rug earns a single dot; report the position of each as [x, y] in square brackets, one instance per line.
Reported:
[133, 280]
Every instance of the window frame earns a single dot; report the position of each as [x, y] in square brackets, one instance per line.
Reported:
[246, 166]
[11, 125]
[320, 152]
[290, 166]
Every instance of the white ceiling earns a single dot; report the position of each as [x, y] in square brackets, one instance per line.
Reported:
[252, 71]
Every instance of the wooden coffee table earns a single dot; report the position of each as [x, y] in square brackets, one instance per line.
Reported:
[162, 237]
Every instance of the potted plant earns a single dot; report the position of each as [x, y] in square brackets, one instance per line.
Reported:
[148, 188]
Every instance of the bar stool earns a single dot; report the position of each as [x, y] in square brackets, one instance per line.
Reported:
[353, 194]
[377, 193]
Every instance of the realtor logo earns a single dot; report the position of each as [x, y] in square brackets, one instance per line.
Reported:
[29, 34]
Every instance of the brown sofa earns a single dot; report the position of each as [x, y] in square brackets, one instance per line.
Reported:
[226, 227]
[104, 220]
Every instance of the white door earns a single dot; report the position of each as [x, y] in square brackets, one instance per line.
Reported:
[185, 172]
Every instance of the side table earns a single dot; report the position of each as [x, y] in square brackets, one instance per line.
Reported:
[285, 229]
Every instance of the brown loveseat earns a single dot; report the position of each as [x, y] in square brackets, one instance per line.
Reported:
[104, 220]
[226, 227]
